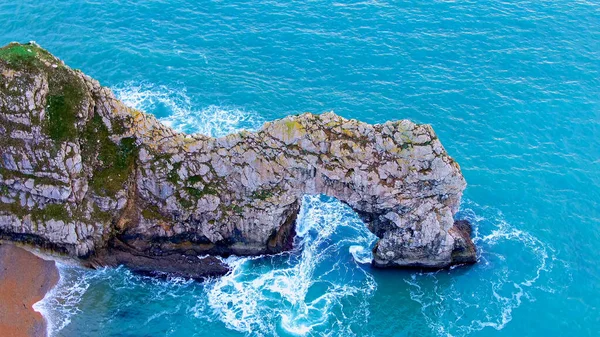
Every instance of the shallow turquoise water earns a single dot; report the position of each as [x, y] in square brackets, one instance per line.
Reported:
[511, 88]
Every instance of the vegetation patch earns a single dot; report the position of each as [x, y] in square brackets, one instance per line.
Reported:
[18, 55]
[100, 215]
[173, 176]
[195, 179]
[186, 203]
[262, 194]
[9, 174]
[237, 209]
[118, 125]
[210, 189]
[51, 211]
[194, 192]
[66, 95]
[61, 121]
[115, 161]
[151, 212]
[14, 208]
[66, 88]
[26, 56]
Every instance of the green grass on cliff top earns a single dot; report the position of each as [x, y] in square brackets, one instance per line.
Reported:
[15, 53]
[25, 56]
[66, 90]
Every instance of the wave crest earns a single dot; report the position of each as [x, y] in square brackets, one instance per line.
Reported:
[61, 303]
[175, 109]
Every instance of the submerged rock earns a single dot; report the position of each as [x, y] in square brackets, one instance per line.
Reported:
[84, 175]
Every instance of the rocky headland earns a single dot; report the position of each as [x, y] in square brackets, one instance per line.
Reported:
[85, 176]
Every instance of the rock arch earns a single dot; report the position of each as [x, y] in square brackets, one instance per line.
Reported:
[120, 187]
[396, 176]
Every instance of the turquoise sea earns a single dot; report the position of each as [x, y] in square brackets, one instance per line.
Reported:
[512, 88]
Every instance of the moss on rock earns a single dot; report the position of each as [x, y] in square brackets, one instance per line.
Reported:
[262, 194]
[23, 56]
[173, 176]
[115, 162]
[61, 118]
[50, 211]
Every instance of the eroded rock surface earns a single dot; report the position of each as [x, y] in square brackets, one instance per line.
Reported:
[82, 174]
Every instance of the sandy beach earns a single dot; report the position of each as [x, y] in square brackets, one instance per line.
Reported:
[24, 279]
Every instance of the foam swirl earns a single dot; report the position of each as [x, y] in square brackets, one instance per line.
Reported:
[175, 109]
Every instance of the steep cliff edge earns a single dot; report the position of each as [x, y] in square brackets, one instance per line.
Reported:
[83, 175]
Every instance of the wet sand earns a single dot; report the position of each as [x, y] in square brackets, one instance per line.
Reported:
[24, 280]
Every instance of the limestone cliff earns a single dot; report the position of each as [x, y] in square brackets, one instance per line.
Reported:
[84, 175]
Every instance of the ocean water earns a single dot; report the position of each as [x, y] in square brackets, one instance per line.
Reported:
[512, 88]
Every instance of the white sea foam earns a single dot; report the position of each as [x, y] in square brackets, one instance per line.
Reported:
[174, 107]
[62, 302]
[300, 293]
[361, 254]
[65, 301]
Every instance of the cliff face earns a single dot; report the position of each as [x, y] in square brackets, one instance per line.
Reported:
[84, 175]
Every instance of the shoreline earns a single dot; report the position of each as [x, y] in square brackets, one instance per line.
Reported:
[25, 278]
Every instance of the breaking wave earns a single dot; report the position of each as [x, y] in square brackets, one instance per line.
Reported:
[62, 302]
[302, 292]
[175, 109]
